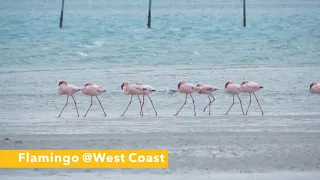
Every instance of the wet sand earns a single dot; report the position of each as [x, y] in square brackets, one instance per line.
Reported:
[204, 147]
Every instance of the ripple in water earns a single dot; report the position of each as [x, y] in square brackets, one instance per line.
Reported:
[82, 54]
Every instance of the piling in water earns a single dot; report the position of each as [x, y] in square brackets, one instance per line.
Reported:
[244, 13]
[149, 15]
[61, 16]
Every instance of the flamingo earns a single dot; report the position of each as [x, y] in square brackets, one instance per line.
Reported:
[131, 89]
[315, 88]
[206, 89]
[146, 90]
[188, 89]
[251, 87]
[234, 89]
[91, 89]
[69, 90]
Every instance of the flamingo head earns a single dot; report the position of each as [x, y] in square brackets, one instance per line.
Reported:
[229, 82]
[88, 84]
[244, 82]
[124, 84]
[199, 84]
[312, 84]
[181, 83]
[63, 82]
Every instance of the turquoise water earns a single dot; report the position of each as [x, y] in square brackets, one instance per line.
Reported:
[114, 33]
[108, 42]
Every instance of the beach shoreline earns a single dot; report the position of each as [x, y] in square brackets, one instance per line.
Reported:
[237, 148]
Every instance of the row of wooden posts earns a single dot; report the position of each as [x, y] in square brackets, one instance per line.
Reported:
[149, 14]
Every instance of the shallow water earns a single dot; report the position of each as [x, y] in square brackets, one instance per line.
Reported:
[102, 42]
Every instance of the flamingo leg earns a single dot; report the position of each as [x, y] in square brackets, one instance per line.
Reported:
[213, 99]
[194, 106]
[128, 106]
[64, 106]
[249, 104]
[75, 105]
[185, 102]
[141, 111]
[88, 108]
[204, 109]
[139, 99]
[230, 106]
[258, 103]
[240, 104]
[153, 105]
[140, 105]
[101, 106]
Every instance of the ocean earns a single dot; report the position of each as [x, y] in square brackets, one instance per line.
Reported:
[108, 43]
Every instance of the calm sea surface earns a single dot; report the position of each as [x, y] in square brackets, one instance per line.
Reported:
[108, 42]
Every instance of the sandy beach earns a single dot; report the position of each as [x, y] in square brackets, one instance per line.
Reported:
[208, 147]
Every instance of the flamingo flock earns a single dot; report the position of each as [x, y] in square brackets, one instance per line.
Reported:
[139, 89]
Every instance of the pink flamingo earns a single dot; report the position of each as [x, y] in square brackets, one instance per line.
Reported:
[93, 90]
[131, 89]
[315, 88]
[206, 89]
[234, 89]
[186, 88]
[146, 90]
[69, 90]
[251, 87]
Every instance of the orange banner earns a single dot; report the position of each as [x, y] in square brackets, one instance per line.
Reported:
[84, 158]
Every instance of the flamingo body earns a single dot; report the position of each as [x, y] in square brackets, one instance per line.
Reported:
[232, 88]
[206, 89]
[133, 90]
[251, 87]
[145, 91]
[188, 89]
[68, 89]
[91, 89]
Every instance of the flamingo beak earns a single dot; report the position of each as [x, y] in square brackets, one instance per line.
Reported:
[179, 85]
[60, 83]
[311, 86]
[122, 86]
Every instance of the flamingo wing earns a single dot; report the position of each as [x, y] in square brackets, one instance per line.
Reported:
[147, 88]
[252, 85]
[188, 87]
[209, 87]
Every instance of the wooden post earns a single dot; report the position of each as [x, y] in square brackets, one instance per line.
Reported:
[244, 13]
[61, 16]
[149, 15]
